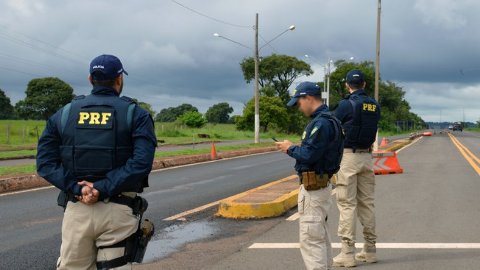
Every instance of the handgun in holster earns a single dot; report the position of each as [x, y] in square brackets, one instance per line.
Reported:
[63, 198]
[136, 244]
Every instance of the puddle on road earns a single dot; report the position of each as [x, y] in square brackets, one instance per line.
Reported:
[173, 238]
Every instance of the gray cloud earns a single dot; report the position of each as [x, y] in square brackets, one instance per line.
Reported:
[427, 46]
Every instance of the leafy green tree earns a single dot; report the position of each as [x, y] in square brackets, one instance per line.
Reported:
[391, 96]
[478, 123]
[193, 119]
[337, 79]
[219, 113]
[276, 73]
[172, 113]
[6, 109]
[44, 97]
[145, 106]
[272, 111]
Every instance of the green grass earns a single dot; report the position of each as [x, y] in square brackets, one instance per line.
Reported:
[23, 133]
[27, 169]
[18, 153]
[208, 149]
[15, 170]
[477, 130]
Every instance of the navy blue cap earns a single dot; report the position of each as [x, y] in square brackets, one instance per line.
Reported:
[109, 65]
[355, 76]
[304, 89]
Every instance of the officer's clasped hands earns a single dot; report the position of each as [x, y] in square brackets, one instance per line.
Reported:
[89, 193]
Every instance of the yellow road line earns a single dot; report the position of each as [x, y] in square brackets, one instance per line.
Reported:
[464, 152]
[379, 245]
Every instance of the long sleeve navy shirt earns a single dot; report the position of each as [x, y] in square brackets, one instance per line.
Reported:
[314, 142]
[124, 178]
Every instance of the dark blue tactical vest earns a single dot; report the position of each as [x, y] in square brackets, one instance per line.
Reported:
[330, 162]
[361, 131]
[96, 135]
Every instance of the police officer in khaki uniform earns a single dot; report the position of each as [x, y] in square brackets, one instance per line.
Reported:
[317, 159]
[359, 115]
[98, 150]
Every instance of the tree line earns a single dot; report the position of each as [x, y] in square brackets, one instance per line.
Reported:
[45, 96]
[277, 73]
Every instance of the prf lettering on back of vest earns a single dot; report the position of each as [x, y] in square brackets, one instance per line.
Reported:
[94, 118]
[369, 107]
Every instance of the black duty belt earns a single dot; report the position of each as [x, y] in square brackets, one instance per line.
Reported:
[120, 199]
[357, 150]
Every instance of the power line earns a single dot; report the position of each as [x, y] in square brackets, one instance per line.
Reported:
[268, 43]
[208, 17]
[35, 75]
[43, 42]
[22, 60]
[37, 48]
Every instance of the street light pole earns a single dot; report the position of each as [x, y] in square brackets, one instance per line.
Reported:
[257, 94]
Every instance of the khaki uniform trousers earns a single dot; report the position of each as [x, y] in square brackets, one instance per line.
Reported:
[87, 227]
[315, 243]
[356, 197]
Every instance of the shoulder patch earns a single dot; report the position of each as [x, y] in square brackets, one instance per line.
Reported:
[315, 129]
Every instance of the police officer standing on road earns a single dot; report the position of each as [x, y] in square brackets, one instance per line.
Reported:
[317, 159]
[359, 115]
[98, 150]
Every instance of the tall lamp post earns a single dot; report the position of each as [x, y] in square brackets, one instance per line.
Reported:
[255, 53]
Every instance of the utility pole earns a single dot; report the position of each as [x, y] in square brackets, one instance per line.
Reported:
[377, 64]
[328, 82]
[257, 95]
[377, 54]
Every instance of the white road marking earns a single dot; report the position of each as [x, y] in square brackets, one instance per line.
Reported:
[293, 217]
[24, 191]
[414, 141]
[378, 245]
[210, 161]
[198, 209]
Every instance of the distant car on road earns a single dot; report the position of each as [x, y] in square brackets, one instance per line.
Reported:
[450, 127]
[457, 127]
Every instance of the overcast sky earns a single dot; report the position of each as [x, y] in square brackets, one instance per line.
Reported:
[429, 47]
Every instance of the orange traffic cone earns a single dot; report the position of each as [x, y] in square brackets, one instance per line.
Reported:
[213, 154]
[384, 142]
[386, 163]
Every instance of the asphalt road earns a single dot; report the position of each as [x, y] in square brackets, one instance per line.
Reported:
[433, 204]
[30, 223]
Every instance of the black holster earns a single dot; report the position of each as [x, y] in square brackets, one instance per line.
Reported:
[136, 244]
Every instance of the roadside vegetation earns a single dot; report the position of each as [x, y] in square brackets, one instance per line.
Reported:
[167, 133]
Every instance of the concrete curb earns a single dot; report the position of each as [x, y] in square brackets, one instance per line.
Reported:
[19, 182]
[239, 206]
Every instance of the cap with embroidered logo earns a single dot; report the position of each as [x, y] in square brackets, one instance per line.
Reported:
[355, 76]
[106, 67]
[304, 89]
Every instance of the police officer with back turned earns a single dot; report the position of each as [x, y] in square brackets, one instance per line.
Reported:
[317, 159]
[98, 150]
[359, 115]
